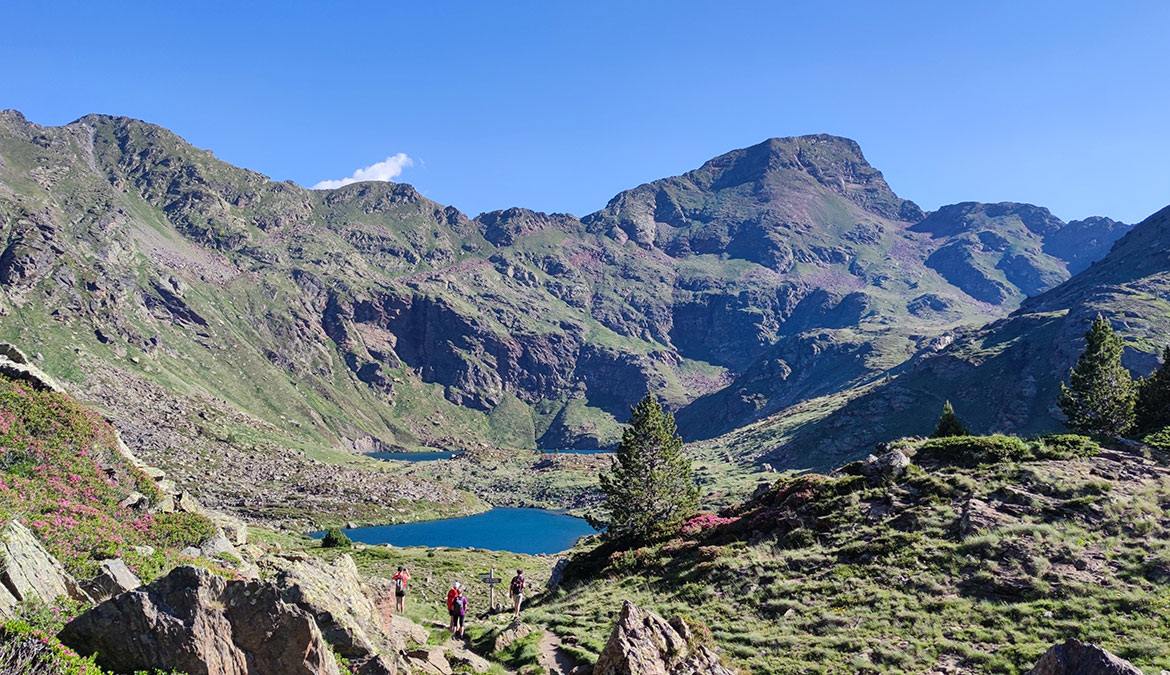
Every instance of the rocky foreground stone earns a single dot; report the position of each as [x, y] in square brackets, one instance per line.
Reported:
[643, 643]
[1074, 657]
[195, 622]
[29, 573]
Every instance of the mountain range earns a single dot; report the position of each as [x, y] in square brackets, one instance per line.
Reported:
[368, 316]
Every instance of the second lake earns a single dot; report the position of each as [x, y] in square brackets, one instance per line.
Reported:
[532, 531]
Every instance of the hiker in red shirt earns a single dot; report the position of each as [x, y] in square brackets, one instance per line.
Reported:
[400, 580]
[453, 609]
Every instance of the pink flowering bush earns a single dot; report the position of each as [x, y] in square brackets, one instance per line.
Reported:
[61, 475]
[25, 648]
[705, 522]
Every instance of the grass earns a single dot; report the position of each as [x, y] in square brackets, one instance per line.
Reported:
[836, 574]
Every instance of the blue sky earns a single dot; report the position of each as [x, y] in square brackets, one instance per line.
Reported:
[558, 106]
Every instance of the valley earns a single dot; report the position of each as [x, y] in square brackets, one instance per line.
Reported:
[246, 362]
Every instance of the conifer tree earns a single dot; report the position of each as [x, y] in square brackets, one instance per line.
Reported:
[1099, 397]
[649, 491]
[949, 424]
[1152, 411]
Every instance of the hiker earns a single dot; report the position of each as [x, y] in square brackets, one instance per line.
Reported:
[455, 609]
[400, 580]
[517, 589]
[459, 613]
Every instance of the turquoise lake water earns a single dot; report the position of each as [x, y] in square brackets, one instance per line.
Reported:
[414, 456]
[432, 456]
[578, 452]
[531, 531]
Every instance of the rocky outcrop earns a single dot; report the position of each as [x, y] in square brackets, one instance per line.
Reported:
[113, 578]
[429, 661]
[510, 635]
[643, 643]
[30, 573]
[16, 365]
[341, 602]
[195, 622]
[1080, 658]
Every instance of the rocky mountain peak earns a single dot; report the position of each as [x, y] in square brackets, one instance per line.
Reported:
[954, 219]
[833, 161]
[504, 227]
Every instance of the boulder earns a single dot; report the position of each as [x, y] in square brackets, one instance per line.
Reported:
[29, 572]
[467, 661]
[217, 545]
[409, 631]
[1080, 658]
[643, 643]
[335, 594]
[887, 466]
[13, 353]
[164, 505]
[113, 577]
[135, 501]
[429, 661]
[187, 503]
[513, 633]
[196, 622]
[558, 573]
[235, 530]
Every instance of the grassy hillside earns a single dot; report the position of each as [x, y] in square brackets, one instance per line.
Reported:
[981, 555]
[62, 476]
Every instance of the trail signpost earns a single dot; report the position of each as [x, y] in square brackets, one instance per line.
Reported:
[491, 580]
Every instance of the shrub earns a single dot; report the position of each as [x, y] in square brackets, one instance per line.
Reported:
[974, 450]
[1064, 446]
[704, 522]
[1159, 439]
[335, 538]
[26, 649]
[801, 537]
[180, 530]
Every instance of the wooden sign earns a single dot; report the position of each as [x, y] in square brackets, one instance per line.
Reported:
[491, 580]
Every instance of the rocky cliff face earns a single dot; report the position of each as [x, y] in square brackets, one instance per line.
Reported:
[1005, 376]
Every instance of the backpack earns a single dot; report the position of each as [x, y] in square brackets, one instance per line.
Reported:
[517, 584]
[460, 605]
[399, 583]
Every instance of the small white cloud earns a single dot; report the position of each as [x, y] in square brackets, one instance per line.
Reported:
[386, 170]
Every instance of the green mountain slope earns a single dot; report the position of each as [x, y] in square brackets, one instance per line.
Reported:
[369, 316]
[1001, 377]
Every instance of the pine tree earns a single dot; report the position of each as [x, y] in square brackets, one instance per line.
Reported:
[1152, 410]
[949, 424]
[649, 490]
[1099, 397]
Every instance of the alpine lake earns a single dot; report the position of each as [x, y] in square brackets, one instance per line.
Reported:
[519, 530]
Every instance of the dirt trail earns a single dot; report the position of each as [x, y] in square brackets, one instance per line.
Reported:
[552, 658]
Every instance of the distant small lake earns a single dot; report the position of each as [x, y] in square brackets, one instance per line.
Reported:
[414, 456]
[570, 451]
[532, 531]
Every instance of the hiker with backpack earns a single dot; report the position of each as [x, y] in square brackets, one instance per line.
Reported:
[517, 590]
[400, 580]
[457, 608]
